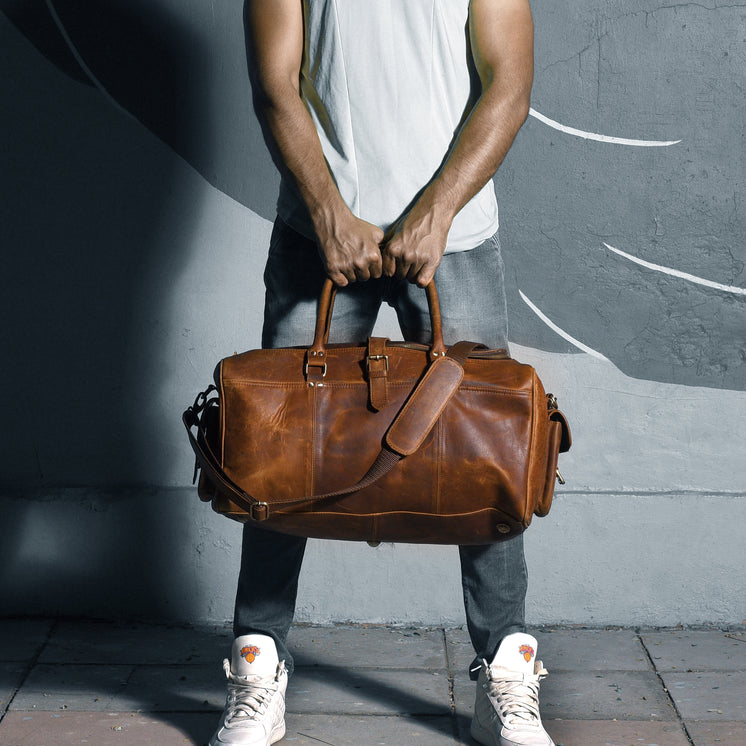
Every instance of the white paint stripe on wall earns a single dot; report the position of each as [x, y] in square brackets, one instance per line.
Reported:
[676, 273]
[561, 332]
[601, 138]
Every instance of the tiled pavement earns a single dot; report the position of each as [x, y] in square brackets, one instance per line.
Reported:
[71, 682]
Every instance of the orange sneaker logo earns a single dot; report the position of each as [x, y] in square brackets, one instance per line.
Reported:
[527, 651]
[250, 652]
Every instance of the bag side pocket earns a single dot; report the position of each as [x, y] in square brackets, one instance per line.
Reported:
[553, 448]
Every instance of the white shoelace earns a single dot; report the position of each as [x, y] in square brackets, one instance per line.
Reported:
[515, 696]
[248, 697]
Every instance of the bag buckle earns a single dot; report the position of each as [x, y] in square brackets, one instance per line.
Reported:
[259, 512]
[316, 363]
[385, 359]
[200, 401]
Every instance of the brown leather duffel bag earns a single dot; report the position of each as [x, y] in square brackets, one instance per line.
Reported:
[384, 441]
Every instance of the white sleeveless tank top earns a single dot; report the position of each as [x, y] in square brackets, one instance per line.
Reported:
[388, 83]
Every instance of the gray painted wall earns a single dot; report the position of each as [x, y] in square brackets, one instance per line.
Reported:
[136, 202]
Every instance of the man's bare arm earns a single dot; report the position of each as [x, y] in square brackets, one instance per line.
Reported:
[501, 35]
[349, 247]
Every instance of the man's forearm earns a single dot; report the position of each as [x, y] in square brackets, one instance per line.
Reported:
[501, 36]
[417, 246]
[478, 151]
[301, 153]
[275, 55]
[349, 246]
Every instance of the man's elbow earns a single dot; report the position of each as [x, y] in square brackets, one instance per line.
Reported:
[517, 95]
[522, 108]
[510, 106]
[508, 96]
[272, 91]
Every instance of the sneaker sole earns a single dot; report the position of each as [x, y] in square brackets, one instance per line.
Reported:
[485, 736]
[481, 734]
[278, 733]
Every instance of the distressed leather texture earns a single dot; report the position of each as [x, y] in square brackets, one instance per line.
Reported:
[455, 449]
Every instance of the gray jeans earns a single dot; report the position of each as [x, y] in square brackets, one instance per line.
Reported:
[472, 300]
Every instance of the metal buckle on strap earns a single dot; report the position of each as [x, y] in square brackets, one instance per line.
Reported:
[316, 365]
[385, 359]
[259, 512]
[201, 399]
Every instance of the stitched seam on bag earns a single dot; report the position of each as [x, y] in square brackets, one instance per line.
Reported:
[318, 513]
[404, 347]
[532, 439]
[489, 389]
[311, 485]
[221, 395]
[441, 449]
[547, 489]
[243, 383]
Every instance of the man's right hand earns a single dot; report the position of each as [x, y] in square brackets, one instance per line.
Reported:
[350, 248]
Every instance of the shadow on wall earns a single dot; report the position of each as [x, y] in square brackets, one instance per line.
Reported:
[88, 257]
[177, 66]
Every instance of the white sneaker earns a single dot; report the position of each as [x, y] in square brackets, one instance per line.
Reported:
[254, 712]
[506, 711]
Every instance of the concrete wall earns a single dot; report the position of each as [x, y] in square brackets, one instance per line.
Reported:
[136, 204]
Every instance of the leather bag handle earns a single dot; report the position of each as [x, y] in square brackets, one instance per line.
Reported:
[404, 436]
[324, 320]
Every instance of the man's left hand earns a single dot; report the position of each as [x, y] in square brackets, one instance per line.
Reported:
[416, 247]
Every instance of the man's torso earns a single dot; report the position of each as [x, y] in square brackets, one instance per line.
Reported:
[388, 83]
